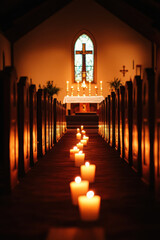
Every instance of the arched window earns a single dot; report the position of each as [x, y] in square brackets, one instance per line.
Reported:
[84, 51]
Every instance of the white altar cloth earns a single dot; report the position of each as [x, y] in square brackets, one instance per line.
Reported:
[83, 99]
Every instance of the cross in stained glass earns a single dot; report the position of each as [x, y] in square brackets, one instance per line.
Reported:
[84, 52]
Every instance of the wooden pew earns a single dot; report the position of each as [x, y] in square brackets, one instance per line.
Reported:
[49, 122]
[137, 125]
[46, 120]
[52, 121]
[40, 123]
[157, 130]
[108, 119]
[102, 119]
[105, 119]
[148, 112]
[117, 121]
[112, 120]
[23, 126]
[122, 121]
[128, 123]
[9, 130]
[33, 124]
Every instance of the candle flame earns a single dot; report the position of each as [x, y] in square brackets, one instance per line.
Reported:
[87, 164]
[80, 152]
[75, 148]
[78, 179]
[90, 194]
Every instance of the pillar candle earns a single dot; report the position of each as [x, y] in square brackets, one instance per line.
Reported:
[80, 146]
[84, 141]
[85, 137]
[88, 172]
[78, 135]
[72, 152]
[79, 158]
[83, 132]
[78, 188]
[89, 206]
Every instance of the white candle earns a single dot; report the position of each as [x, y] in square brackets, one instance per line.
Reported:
[88, 172]
[67, 88]
[83, 132]
[78, 135]
[84, 141]
[78, 188]
[89, 206]
[79, 158]
[72, 152]
[80, 146]
[101, 87]
[85, 137]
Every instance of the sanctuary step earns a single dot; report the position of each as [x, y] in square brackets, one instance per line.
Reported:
[40, 207]
[89, 120]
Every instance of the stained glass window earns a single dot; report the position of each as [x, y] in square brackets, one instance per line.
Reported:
[89, 59]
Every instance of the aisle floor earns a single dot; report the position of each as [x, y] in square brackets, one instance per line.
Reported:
[40, 206]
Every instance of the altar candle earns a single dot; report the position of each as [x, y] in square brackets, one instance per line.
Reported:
[80, 146]
[78, 135]
[88, 172]
[84, 141]
[79, 158]
[89, 206]
[72, 152]
[78, 188]
[101, 87]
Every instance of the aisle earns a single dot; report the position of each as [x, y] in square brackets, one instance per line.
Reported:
[42, 200]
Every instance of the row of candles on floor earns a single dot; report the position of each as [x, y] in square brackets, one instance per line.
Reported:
[88, 203]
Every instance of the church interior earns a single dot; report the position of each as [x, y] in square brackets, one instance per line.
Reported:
[80, 110]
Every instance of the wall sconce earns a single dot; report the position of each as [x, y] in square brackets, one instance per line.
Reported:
[138, 70]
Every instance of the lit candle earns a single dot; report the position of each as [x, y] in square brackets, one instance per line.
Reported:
[89, 206]
[81, 127]
[78, 135]
[88, 172]
[84, 141]
[67, 88]
[80, 146]
[79, 158]
[83, 132]
[73, 151]
[101, 87]
[85, 137]
[78, 188]
[89, 88]
[78, 130]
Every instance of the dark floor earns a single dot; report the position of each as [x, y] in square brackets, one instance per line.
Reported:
[41, 201]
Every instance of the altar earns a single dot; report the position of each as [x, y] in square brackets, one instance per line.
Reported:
[82, 104]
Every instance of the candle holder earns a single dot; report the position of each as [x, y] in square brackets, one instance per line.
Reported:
[101, 88]
[67, 89]
[89, 88]
[72, 89]
[96, 90]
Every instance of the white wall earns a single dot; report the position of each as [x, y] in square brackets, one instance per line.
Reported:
[45, 53]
